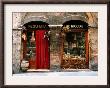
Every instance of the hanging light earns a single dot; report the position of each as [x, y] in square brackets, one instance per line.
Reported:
[75, 37]
[33, 38]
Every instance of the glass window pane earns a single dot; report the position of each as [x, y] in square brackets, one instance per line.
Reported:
[74, 45]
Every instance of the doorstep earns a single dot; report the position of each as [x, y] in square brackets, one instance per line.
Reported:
[38, 70]
[60, 70]
[74, 70]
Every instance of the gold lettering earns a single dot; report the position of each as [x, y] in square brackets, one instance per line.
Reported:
[34, 26]
[76, 26]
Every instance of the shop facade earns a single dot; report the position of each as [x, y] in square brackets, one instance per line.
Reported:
[55, 41]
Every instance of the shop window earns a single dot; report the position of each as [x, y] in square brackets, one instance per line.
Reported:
[74, 45]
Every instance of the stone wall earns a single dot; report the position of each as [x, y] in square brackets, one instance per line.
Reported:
[54, 18]
[16, 20]
[93, 48]
[55, 59]
[16, 51]
[16, 44]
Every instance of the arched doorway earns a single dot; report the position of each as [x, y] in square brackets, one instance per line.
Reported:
[35, 42]
[74, 46]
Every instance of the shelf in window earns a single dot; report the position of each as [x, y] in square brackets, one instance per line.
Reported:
[79, 36]
[29, 54]
[31, 47]
[81, 47]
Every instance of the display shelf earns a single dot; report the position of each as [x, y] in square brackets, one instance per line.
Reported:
[31, 47]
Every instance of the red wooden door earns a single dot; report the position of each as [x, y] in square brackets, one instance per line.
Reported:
[42, 51]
